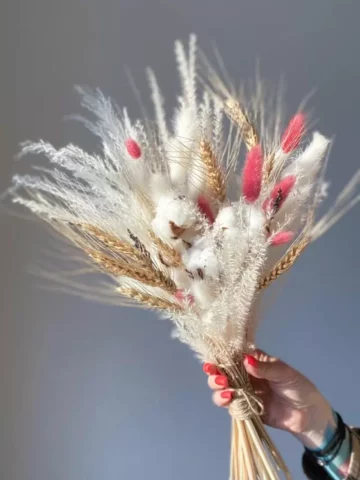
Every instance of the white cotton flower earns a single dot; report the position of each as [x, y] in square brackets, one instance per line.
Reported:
[181, 278]
[226, 218]
[162, 227]
[202, 258]
[176, 209]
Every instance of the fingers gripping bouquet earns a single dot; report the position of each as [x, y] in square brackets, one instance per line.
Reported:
[194, 220]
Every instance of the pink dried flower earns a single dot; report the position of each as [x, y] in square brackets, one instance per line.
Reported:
[280, 193]
[252, 174]
[182, 296]
[133, 148]
[293, 133]
[205, 208]
[281, 238]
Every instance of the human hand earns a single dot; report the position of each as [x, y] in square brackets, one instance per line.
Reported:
[291, 402]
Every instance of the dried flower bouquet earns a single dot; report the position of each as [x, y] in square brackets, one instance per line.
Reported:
[179, 224]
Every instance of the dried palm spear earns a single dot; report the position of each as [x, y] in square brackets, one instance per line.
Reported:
[178, 223]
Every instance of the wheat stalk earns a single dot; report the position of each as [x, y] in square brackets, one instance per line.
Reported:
[115, 245]
[147, 275]
[239, 117]
[268, 167]
[149, 300]
[168, 255]
[214, 175]
[285, 263]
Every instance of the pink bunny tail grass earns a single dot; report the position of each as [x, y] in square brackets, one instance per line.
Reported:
[279, 194]
[284, 187]
[205, 209]
[133, 148]
[293, 133]
[182, 296]
[252, 174]
[281, 238]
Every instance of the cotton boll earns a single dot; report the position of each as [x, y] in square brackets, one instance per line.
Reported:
[232, 234]
[199, 242]
[162, 227]
[189, 234]
[203, 259]
[181, 215]
[181, 278]
[211, 264]
[177, 210]
[232, 237]
[226, 218]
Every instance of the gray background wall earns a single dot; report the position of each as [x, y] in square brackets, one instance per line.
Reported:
[90, 392]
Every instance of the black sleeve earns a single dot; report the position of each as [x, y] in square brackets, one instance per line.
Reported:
[312, 470]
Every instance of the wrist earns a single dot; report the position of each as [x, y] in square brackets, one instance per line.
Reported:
[320, 427]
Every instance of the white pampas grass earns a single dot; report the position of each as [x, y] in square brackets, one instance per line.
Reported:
[164, 214]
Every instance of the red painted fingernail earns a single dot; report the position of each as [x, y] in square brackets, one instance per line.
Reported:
[221, 380]
[226, 395]
[210, 369]
[251, 360]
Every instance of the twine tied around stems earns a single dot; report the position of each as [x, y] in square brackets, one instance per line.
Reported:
[245, 404]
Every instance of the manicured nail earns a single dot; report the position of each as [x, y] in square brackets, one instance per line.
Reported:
[210, 369]
[221, 380]
[226, 395]
[251, 360]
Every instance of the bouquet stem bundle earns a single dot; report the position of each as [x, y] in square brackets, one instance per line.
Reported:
[253, 453]
[175, 224]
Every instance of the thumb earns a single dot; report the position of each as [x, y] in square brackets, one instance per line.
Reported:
[266, 367]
